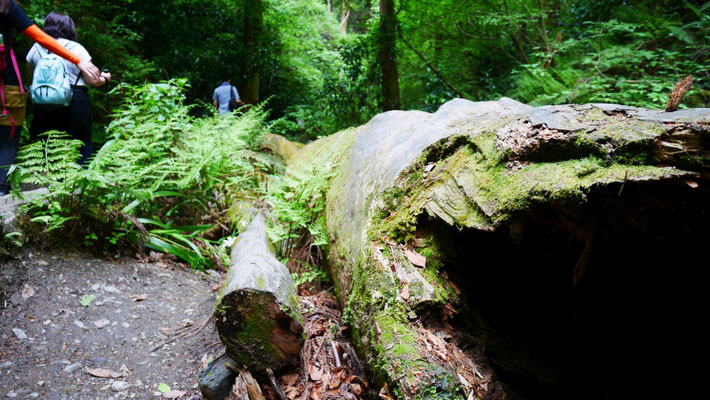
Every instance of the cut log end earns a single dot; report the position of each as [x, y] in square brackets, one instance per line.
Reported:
[256, 313]
[257, 331]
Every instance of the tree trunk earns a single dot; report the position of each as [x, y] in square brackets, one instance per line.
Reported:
[453, 234]
[345, 14]
[253, 32]
[388, 56]
[257, 314]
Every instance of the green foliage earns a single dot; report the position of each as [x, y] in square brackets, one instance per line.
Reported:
[312, 274]
[161, 171]
[634, 59]
[298, 227]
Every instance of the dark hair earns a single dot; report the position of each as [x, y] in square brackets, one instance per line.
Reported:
[226, 78]
[58, 25]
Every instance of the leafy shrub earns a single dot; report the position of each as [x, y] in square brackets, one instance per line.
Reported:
[635, 60]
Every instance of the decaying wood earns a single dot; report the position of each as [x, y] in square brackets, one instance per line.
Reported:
[245, 387]
[332, 367]
[256, 313]
[679, 91]
[275, 384]
[482, 167]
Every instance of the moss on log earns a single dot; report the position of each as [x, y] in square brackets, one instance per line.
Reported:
[257, 313]
[481, 166]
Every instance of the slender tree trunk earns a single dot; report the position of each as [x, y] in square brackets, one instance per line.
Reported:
[345, 14]
[330, 6]
[253, 31]
[388, 55]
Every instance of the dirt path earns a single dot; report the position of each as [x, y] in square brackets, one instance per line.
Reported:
[48, 339]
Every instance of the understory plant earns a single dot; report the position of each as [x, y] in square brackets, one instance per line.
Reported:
[161, 180]
[297, 226]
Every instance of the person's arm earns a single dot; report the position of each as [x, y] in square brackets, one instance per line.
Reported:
[215, 103]
[239, 100]
[87, 68]
[104, 78]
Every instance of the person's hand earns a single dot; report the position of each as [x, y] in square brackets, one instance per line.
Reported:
[89, 70]
[106, 76]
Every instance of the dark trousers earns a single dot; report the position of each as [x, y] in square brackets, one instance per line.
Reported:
[75, 120]
[8, 152]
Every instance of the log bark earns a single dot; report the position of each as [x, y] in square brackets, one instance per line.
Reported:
[257, 313]
[485, 167]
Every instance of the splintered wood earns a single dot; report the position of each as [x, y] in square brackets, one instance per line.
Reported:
[438, 339]
[679, 91]
[245, 388]
[331, 367]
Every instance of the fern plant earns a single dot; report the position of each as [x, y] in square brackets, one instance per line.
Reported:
[157, 181]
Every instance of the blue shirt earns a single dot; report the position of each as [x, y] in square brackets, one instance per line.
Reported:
[222, 95]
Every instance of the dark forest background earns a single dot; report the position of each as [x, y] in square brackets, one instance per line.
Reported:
[324, 65]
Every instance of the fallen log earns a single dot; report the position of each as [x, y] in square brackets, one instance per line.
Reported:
[453, 233]
[257, 313]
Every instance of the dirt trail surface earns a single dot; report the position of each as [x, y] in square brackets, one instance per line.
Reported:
[146, 325]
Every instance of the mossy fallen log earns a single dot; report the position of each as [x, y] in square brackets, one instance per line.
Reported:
[415, 198]
[257, 314]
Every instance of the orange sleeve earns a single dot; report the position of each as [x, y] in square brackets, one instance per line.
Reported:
[46, 41]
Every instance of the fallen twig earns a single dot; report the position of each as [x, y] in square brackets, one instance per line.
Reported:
[275, 385]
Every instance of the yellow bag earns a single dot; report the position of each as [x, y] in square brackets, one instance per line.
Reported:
[15, 104]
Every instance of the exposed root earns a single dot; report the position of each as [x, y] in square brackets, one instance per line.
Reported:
[188, 330]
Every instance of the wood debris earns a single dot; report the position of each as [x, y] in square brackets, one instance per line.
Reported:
[679, 91]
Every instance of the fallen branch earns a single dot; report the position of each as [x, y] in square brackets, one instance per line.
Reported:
[275, 384]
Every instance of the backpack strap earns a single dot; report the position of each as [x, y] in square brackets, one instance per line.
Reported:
[17, 70]
[2, 88]
[231, 92]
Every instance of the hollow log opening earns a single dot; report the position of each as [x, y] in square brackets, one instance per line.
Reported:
[622, 327]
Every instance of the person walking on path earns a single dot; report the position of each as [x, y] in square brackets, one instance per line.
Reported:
[76, 118]
[13, 93]
[223, 95]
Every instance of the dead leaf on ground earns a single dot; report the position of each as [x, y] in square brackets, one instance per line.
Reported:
[216, 287]
[415, 258]
[138, 297]
[692, 184]
[174, 394]
[439, 345]
[124, 370]
[404, 292]
[103, 373]
[28, 292]
[315, 373]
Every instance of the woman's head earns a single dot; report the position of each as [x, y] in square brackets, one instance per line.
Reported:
[4, 5]
[58, 25]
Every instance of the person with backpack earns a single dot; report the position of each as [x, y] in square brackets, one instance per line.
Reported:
[59, 90]
[12, 93]
[226, 97]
